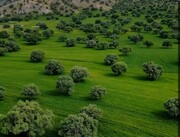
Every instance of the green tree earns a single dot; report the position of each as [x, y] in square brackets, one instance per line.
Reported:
[80, 125]
[30, 91]
[37, 56]
[32, 38]
[65, 85]
[167, 44]
[148, 43]
[4, 34]
[97, 92]
[90, 43]
[172, 106]
[118, 68]
[79, 73]
[110, 59]
[27, 119]
[2, 90]
[3, 51]
[54, 67]
[47, 33]
[92, 111]
[125, 50]
[102, 46]
[153, 70]
[70, 42]
[62, 38]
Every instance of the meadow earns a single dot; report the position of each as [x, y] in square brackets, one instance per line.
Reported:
[133, 105]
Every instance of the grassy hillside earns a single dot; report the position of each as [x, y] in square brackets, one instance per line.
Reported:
[133, 105]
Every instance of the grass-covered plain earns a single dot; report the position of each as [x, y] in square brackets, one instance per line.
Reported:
[133, 105]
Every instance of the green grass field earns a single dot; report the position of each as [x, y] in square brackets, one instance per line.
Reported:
[133, 105]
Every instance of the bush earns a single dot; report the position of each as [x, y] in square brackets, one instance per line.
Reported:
[92, 111]
[118, 68]
[6, 26]
[47, 33]
[4, 34]
[42, 26]
[79, 73]
[32, 38]
[11, 46]
[2, 89]
[30, 91]
[148, 43]
[153, 70]
[114, 44]
[91, 43]
[164, 34]
[65, 85]
[110, 59]
[80, 125]
[172, 106]
[102, 46]
[125, 50]
[54, 67]
[3, 51]
[37, 56]
[62, 38]
[27, 119]
[97, 92]
[70, 42]
[167, 44]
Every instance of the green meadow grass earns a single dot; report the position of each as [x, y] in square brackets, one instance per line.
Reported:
[133, 105]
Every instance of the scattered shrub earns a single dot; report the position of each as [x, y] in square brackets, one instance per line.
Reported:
[102, 46]
[62, 38]
[167, 44]
[110, 59]
[42, 26]
[125, 50]
[91, 43]
[4, 34]
[97, 92]
[148, 43]
[11, 46]
[172, 106]
[6, 26]
[79, 73]
[27, 119]
[114, 44]
[153, 70]
[80, 125]
[65, 85]
[118, 68]
[37, 56]
[47, 33]
[3, 51]
[32, 38]
[54, 67]
[92, 111]
[70, 42]
[30, 91]
[2, 90]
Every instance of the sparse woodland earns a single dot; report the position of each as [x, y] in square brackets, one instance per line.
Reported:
[88, 68]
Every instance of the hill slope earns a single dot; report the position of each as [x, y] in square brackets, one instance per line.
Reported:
[47, 6]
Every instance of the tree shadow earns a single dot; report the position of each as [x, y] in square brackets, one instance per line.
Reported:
[164, 115]
[143, 78]
[56, 93]
[24, 99]
[110, 75]
[53, 93]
